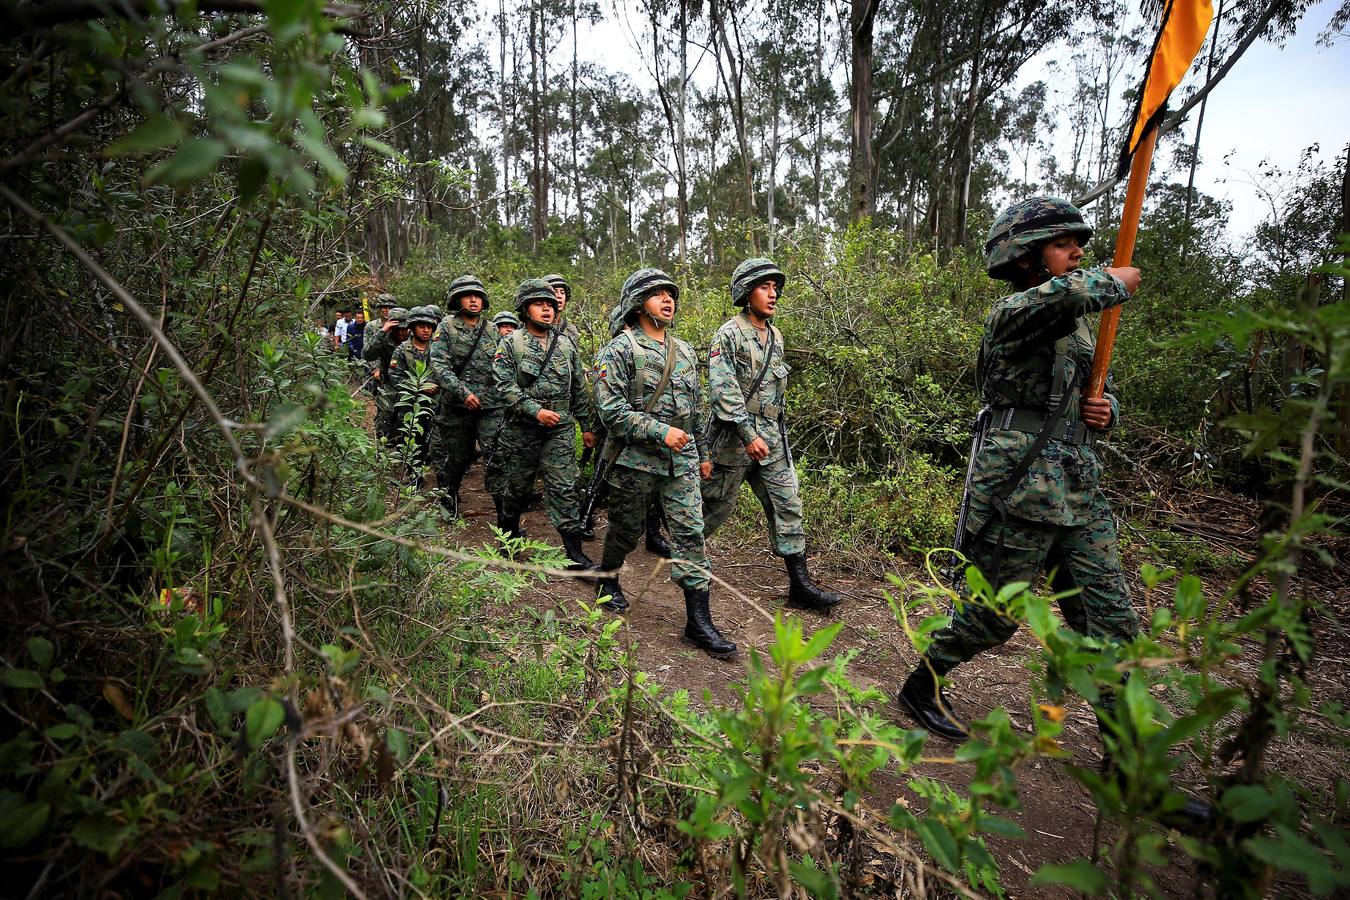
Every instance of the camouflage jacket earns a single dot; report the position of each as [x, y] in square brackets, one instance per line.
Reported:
[450, 350]
[378, 344]
[621, 395]
[1017, 360]
[519, 357]
[734, 361]
[402, 363]
[570, 330]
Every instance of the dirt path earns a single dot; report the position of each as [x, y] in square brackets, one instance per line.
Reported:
[1057, 813]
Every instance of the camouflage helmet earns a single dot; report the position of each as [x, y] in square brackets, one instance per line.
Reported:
[436, 311]
[638, 287]
[749, 274]
[532, 289]
[398, 315]
[1024, 227]
[505, 317]
[420, 315]
[616, 324]
[465, 284]
[383, 300]
[558, 281]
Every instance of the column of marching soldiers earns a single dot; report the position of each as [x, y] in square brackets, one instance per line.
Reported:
[516, 389]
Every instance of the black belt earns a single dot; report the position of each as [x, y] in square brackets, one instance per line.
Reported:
[1030, 421]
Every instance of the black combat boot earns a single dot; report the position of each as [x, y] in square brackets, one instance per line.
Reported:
[1194, 817]
[617, 602]
[450, 503]
[572, 547]
[657, 545]
[699, 629]
[805, 593]
[920, 697]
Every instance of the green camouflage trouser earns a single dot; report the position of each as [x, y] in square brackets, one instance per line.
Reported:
[452, 445]
[1085, 556]
[630, 494]
[775, 484]
[524, 450]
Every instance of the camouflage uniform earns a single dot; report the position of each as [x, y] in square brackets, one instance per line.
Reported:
[1035, 358]
[1058, 516]
[627, 373]
[645, 465]
[409, 390]
[523, 446]
[461, 374]
[734, 359]
[378, 349]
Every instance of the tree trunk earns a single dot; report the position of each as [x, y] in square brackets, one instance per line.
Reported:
[506, 136]
[968, 138]
[735, 65]
[818, 150]
[576, 166]
[862, 166]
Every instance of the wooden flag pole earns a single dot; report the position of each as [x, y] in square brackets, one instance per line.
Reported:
[1129, 229]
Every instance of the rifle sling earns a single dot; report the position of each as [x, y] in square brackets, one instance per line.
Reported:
[615, 445]
[998, 501]
[477, 338]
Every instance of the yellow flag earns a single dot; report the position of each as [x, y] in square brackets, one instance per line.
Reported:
[1184, 26]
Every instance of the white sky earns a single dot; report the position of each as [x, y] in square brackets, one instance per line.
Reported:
[1275, 102]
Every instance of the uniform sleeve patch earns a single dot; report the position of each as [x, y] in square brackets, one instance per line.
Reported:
[715, 352]
[601, 370]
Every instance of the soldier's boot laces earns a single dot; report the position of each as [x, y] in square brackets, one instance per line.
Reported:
[805, 593]
[617, 602]
[657, 545]
[920, 696]
[572, 547]
[699, 629]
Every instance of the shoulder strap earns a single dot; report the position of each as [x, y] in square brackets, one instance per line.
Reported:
[640, 369]
[477, 338]
[543, 366]
[764, 366]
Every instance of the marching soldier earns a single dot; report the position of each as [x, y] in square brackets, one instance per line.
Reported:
[414, 386]
[563, 292]
[649, 398]
[1034, 501]
[462, 351]
[747, 374]
[538, 374]
[379, 347]
[505, 322]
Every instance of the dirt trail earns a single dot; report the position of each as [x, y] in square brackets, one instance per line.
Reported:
[1057, 813]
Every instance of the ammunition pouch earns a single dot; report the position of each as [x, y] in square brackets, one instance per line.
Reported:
[772, 411]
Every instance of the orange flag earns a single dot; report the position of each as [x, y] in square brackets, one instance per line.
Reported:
[1184, 26]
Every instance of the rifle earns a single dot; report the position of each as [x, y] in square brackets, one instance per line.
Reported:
[604, 461]
[951, 570]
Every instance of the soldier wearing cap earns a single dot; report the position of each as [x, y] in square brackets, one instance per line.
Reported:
[414, 386]
[648, 394]
[462, 350]
[1022, 522]
[748, 376]
[378, 350]
[539, 375]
